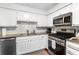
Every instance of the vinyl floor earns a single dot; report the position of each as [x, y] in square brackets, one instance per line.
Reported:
[41, 52]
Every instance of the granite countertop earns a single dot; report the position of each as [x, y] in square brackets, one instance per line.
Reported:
[73, 44]
[19, 35]
[74, 40]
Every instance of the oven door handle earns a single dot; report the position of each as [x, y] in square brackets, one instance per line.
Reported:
[50, 39]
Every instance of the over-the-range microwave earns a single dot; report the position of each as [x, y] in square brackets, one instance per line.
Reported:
[64, 19]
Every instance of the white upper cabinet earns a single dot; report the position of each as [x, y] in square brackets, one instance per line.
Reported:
[33, 17]
[42, 20]
[25, 16]
[22, 16]
[75, 15]
[7, 17]
[65, 10]
[50, 20]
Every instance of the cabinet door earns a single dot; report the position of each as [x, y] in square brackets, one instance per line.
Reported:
[23, 45]
[33, 17]
[38, 42]
[42, 20]
[7, 17]
[44, 39]
[75, 15]
[33, 44]
[20, 47]
[25, 16]
[50, 20]
[11, 19]
[66, 9]
[20, 16]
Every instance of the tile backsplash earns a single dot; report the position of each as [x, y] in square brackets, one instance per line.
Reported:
[23, 27]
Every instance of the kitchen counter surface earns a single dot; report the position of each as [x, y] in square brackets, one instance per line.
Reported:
[74, 40]
[19, 35]
[73, 44]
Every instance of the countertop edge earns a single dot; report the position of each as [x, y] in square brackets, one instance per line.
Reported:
[20, 35]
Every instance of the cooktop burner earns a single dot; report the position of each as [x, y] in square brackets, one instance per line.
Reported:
[62, 35]
[55, 35]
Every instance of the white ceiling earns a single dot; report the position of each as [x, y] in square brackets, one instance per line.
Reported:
[43, 6]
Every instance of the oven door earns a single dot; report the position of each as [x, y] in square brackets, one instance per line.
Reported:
[60, 50]
[56, 46]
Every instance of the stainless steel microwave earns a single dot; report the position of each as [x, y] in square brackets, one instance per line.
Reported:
[64, 19]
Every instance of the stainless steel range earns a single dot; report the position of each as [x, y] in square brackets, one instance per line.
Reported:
[60, 41]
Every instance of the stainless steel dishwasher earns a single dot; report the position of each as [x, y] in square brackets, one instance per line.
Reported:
[8, 46]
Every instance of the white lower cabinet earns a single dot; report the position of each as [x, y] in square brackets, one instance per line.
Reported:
[72, 48]
[20, 48]
[31, 43]
[71, 51]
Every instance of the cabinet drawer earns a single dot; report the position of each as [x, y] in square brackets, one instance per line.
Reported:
[21, 39]
[72, 51]
[72, 45]
[20, 48]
